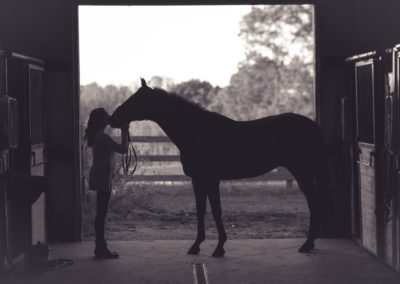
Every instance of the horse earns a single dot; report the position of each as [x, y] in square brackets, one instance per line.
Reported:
[214, 147]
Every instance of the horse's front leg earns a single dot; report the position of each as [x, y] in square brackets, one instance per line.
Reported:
[201, 198]
[215, 202]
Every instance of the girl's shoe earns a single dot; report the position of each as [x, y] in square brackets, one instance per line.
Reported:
[104, 252]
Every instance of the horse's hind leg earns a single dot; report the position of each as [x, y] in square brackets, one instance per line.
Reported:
[215, 202]
[310, 190]
[201, 198]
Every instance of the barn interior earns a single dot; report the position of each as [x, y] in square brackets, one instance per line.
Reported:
[357, 94]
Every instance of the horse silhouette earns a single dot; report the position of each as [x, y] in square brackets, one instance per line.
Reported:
[214, 148]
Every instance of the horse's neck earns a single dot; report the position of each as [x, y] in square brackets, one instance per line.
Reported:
[173, 130]
[176, 124]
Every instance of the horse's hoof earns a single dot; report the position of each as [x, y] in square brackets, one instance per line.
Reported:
[306, 247]
[218, 253]
[194, 250]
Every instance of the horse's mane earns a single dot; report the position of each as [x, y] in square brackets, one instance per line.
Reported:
[179, 100]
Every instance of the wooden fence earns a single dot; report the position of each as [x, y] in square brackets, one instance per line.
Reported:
[279, 174]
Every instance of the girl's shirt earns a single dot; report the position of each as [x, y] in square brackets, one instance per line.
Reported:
[100, 176]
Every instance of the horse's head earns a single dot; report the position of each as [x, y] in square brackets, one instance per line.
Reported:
[136, 107]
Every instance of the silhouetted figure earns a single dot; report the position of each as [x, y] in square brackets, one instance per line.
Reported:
[213, 148]
[100, 176]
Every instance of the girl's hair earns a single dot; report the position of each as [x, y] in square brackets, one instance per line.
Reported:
[97, 122]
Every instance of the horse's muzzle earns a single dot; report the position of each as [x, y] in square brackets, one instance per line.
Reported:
[115, 121]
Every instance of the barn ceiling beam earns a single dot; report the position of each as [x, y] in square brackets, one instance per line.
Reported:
[186, 2]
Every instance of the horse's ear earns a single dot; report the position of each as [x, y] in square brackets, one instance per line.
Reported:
[143, 82]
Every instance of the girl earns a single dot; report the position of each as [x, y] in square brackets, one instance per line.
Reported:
[103, 148]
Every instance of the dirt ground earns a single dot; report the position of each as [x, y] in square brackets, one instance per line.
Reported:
[167, 212]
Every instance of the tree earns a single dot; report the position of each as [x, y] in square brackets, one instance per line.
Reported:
[195, 90]
[161, 82]
[93, 96]
[277, 75]
[283, 33]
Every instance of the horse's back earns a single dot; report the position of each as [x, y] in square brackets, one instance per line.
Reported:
[301, 142]
[282, 140]
[264, 137]
[295, 126]
[237, 149]
[281, 128]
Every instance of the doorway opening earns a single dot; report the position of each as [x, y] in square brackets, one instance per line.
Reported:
[242, 61]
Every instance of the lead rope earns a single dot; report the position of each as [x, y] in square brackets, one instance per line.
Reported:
[127, 158]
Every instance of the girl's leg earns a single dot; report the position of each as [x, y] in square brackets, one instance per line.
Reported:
[103, 198]
[101, 250]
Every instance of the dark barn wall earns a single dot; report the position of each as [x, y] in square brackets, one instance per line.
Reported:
[346, 28]
[44, 29]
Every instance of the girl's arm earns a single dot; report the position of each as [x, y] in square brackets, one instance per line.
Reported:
[123, 147]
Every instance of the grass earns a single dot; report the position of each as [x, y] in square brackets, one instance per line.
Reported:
[149, 212]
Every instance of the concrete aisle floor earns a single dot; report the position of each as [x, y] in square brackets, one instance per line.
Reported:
[246, 261]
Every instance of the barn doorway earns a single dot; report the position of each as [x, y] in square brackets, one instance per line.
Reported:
[242, 61]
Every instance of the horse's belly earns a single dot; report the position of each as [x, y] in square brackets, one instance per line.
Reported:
[240, 166]
[229, 164]
[241, 172]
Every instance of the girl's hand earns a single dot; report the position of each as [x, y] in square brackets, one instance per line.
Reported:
[125, 127]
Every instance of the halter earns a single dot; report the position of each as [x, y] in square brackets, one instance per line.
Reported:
[127, 158]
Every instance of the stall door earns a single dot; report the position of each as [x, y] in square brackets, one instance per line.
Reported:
[19, 157]
[394, 139]
[37, 161]
[366, 127]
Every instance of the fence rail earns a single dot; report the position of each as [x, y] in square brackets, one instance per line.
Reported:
[279, 174]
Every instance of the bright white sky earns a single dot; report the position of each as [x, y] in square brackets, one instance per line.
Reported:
[120, 44]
